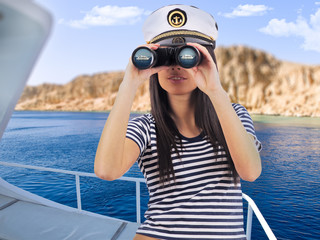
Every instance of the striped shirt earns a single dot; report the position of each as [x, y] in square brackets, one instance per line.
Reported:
[204, 202]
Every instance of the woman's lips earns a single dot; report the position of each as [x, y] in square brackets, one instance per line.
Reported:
[176, 79]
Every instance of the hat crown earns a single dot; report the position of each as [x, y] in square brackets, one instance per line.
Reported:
[183, 20]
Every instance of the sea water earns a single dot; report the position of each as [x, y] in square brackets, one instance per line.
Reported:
[287, 192]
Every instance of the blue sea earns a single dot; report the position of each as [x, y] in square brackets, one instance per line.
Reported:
[287, 192]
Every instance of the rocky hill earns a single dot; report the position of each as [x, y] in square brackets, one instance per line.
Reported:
[253, 78]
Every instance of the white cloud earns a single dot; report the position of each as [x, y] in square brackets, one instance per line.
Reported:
[108, 16]
[317, 3]
[309, 31]
[247, 11]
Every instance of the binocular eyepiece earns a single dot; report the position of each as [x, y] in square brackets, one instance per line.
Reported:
[185, 56]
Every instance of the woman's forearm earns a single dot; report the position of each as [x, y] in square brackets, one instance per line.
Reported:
[109, 161]
[241, 146]
[109, 155]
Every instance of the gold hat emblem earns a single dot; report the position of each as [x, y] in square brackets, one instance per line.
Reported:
[177, 18]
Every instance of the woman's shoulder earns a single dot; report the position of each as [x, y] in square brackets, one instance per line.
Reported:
[240, 110]
[238, 107]
[145, 119]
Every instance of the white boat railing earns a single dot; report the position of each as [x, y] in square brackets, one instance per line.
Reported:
[252, 207]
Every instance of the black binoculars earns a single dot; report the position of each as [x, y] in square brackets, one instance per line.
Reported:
[185, 56]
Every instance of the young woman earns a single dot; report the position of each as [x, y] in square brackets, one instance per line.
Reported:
[194, 145]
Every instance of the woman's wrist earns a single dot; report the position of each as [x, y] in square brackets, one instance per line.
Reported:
[219, 97]
[128, 89]
[129, 84]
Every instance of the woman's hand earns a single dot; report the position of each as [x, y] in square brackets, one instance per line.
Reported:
[137, 76]
[206, 74]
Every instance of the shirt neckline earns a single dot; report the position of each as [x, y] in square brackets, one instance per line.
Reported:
[193, 139]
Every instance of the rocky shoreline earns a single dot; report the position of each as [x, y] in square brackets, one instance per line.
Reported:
[253, 78]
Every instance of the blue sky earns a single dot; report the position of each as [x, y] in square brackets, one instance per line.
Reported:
[96, 36]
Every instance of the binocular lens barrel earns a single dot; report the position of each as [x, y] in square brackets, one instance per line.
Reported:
[144, 58]
[188, 57]
[185, 56]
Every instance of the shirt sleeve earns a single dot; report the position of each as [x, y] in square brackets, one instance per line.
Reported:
[247, 122]
[138, 130]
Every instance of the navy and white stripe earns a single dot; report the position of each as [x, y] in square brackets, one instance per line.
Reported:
[247, 122]
[204, 202]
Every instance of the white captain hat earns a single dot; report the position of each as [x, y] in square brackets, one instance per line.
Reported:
[177, 24]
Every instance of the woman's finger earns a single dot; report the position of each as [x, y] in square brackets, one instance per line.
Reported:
[151, 46]
[158, 69]
[203, 50]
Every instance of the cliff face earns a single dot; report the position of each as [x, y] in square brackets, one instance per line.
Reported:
[268, 86]
[83, 93]
[252, 78]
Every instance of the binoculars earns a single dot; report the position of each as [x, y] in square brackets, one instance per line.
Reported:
[185, 56]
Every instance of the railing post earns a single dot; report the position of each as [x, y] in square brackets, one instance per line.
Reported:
[138, 201]
[78, 192]
[253, 207]
[249, 222]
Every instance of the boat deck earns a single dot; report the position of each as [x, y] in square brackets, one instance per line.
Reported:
[20, 219]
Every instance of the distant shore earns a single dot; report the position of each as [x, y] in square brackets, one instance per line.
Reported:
[252, 78]
[307, 121]
[287, 120]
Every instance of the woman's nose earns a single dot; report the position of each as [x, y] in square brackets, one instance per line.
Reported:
[175, 67]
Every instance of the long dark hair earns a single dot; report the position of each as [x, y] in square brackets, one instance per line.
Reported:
[167, 132]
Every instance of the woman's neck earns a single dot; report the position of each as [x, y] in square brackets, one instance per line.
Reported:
[183, 115]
